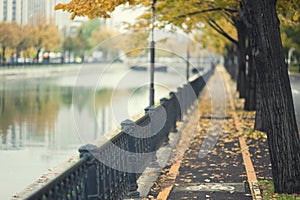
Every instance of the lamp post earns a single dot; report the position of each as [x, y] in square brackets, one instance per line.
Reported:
[152, 56]
[187, 61]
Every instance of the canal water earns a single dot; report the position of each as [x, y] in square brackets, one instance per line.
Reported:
[45, 119]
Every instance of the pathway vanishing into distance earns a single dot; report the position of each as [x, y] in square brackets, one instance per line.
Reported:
[216, 163]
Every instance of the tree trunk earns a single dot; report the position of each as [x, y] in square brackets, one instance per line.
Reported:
[259, 118]
[37, 57]
[241, 80]
[276, 95]
[18, 52]
[250, 99]
[229, 61]
[3, 54]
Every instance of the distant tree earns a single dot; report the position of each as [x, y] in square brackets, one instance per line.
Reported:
[98, 41]
[73, 45]
[27, 38]
[69, 46]
[23, 43]
[90, 26]
[10, 36]
[47, 36]
[290, 27]
[291, 39]
[82, 42]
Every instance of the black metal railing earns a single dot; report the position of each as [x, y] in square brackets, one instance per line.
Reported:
[111, 170]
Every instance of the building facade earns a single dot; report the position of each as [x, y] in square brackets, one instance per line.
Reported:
[31, 11]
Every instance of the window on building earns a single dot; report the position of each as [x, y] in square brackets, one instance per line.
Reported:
[14, 10]
[4, 10]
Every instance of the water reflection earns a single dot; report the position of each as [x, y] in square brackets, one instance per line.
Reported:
[39, 113]
[27, 110]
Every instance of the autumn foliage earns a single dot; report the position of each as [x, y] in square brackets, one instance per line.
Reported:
[91, 8]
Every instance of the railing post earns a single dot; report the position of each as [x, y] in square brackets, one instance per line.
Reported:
[188, 97]
[202, 82]
[154, 142]
[175, 112]
[185, 99]
[197, 86]
[149, 110]
[91, 182]
[128, 127]
[180, 103]
[167, 126]
[191, 96]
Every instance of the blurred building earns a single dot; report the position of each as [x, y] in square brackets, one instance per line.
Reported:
[34, 11]
[31, 11]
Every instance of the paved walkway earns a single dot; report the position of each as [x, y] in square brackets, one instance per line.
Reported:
[216, 163]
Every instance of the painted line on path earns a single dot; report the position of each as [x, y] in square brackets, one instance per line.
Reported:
[251, 175]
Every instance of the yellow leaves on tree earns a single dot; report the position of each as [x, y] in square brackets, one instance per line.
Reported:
[296, 16]
[46, 35]
[212, 40]
[9, 34]
[187, 15]
[91, 8]
[288, 12]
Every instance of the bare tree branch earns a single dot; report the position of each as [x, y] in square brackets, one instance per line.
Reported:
[213, 24]
[206, 11]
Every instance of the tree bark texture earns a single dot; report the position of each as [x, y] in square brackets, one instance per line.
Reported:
[250, 99]
[241, 80]
[229, 61]
[276, 96]
[259, 118]
[3, 54]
